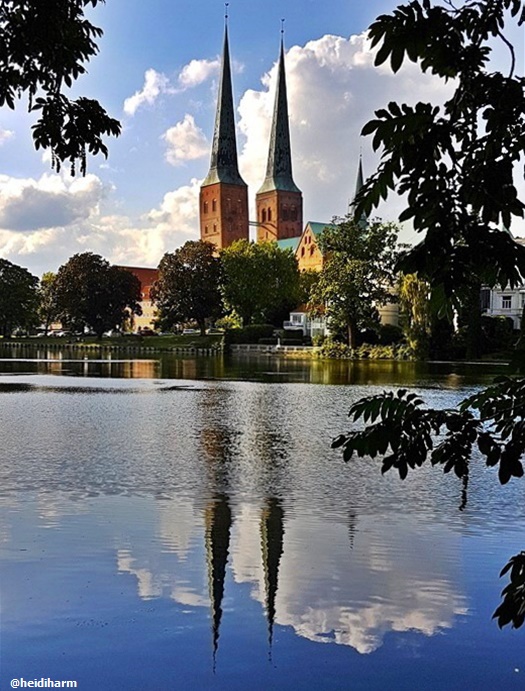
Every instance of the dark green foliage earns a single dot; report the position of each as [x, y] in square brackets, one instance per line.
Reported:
[512, 609]
[250, 334]
[45, 46]
[188, 288]
[404, 432]
[455, 163]
[18, 298]
[90, 292]
[357, 275]
[389, 334]
[260, 281]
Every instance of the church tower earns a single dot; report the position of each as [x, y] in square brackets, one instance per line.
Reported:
[223, 202]
[279, 202]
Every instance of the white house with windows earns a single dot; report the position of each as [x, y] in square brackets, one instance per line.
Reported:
[505, 302]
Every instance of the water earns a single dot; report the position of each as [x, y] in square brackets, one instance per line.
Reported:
[166, 525]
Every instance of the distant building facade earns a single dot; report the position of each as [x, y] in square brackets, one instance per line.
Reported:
[147, 278]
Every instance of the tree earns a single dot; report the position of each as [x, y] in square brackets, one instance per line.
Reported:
[18, 298]
[357, 276]
[90, 292]
[188, 288]
[261, 282]
[45, 46]
[456, 165]
[47, 308]
[413, 295]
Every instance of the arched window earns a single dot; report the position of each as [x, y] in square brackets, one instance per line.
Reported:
[269, 214]
[263, 218]
[293, 213]
[206, 230]
[302, 252]
[312, 250]
[214, 205]
[214, 227]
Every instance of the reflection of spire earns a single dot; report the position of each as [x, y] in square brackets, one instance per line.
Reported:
[218, 521]
[359, 184]
[352, 521]
[272, 534]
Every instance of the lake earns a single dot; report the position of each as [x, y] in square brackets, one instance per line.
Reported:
[183, 524]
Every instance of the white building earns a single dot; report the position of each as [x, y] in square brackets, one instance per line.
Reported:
[507, 302]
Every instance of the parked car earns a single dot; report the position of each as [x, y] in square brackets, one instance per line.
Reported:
[146, 331]
[190, 331]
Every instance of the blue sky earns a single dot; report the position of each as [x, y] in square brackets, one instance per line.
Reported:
[157, 72]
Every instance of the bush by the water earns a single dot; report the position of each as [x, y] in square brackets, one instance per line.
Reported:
[334, 349]
[250, 334]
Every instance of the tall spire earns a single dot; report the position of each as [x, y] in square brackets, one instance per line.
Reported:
[279, 167]
[223, 165]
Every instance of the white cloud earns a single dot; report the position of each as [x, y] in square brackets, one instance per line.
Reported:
[50, 202]
[186, 142]
[155, 84]
[198, 71]
[333, 90]
[5, 135]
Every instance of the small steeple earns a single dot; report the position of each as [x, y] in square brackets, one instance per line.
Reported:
[223, 165]
[279, 167]
[359, 184]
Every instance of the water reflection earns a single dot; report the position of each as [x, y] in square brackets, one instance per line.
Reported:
[208, 526]
[105, 363]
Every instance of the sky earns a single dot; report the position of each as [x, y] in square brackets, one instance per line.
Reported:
[157, 72]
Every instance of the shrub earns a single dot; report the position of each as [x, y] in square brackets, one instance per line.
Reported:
[389, 334]
[250, 334]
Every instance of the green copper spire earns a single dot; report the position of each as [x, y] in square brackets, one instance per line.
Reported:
[359, 184]
[224, 166]
[279, 168]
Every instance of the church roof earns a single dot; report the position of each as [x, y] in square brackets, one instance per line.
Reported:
[317, 228]
[288, 244]
[279, 167]
[223, 165]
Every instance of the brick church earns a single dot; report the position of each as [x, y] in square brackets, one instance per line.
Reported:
[223, 203]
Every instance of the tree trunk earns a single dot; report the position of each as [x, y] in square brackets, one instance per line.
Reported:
[352, 335]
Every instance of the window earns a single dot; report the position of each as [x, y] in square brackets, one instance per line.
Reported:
[214, 205]
[293, 213]
[284, 212]
[522, 300]
[228, 205]
[205, 207]
[214, 227]
[206, 230]
[264, 215]
[506, 302]
[312, 250]
[302, 252]
[269, 214]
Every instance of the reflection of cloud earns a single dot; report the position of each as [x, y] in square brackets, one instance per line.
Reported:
[167, 568]
[392, 580]
[158, 579]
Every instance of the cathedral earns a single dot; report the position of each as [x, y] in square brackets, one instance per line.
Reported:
[223, 203]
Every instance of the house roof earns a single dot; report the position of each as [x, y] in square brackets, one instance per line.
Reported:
[317, 228]
[288, 244]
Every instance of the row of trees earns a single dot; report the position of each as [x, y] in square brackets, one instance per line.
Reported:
[250, 282]
[255, 282]
[87, 292]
